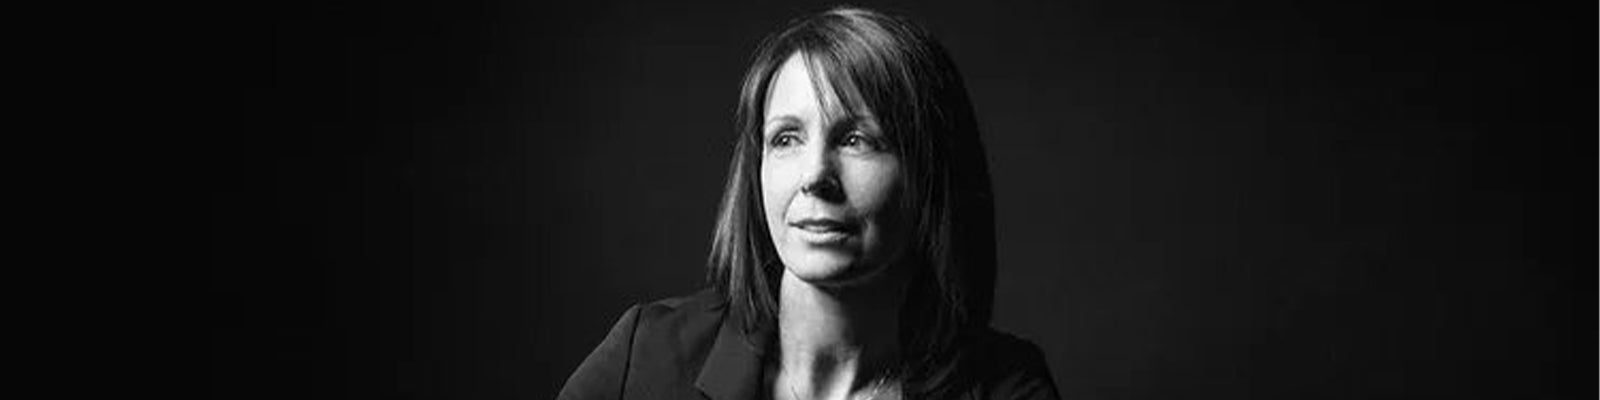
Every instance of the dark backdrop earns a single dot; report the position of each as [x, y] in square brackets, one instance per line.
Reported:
[1224, 200]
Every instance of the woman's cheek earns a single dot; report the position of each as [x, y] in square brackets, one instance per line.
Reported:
[775, 193]
[876, 182]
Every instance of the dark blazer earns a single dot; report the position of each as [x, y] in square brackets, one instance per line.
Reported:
[690, 348]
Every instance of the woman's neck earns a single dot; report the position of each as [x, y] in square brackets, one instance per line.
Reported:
[833, 341]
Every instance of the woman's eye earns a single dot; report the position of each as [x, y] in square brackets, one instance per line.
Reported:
[783, 139]
[857, 140]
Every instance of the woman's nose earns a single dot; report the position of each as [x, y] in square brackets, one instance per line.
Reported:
[822, 175]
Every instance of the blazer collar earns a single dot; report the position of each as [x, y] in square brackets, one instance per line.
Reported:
[733, 369]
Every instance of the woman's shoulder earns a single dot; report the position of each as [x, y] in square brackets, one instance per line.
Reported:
[1002, 345]
[704, 300]
[697, 310]
[647, 348]
[1010, 367]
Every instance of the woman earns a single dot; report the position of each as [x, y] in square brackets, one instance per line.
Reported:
[853, 256]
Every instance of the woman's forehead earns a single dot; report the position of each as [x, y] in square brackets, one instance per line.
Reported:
[802, 88]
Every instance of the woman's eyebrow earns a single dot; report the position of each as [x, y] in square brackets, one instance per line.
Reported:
[864, 118]
[859, 120]
[782, 119]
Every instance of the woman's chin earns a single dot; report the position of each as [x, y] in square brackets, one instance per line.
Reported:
[826, 270]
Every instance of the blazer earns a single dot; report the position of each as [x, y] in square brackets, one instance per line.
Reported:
[690, 348]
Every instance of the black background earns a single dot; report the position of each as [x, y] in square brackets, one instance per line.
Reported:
[1195, 200]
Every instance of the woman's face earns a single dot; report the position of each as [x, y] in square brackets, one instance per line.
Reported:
[829, 183]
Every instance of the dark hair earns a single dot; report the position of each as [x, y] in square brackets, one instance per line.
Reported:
[896, 69]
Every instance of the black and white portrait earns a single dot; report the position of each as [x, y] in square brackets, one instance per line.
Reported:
[618, 199]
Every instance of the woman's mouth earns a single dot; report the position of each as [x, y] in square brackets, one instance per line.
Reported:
[825, 230]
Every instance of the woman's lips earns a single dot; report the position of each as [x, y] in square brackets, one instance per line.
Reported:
[824, 225]
[824, 230]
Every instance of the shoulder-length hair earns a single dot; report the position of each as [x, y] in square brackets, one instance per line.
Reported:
[894, 68]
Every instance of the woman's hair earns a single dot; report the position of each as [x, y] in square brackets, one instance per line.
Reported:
[895, 69]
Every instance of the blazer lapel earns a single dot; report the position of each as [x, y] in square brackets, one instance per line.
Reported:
[733, 369]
